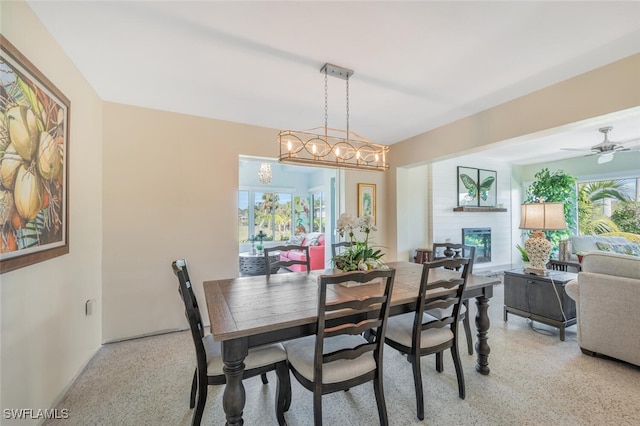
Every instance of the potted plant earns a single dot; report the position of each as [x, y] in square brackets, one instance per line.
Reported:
[360, 256]
[523, 253]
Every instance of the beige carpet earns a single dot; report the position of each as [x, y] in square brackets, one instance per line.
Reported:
[535, 380]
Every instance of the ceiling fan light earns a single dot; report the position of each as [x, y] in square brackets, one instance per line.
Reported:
[605, 158]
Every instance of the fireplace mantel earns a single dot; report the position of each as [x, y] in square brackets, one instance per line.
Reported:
[478, 209]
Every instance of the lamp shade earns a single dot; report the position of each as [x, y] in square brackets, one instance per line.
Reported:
[543, 216]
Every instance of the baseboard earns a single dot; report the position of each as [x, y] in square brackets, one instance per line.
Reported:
[64, 391]
[141, 336]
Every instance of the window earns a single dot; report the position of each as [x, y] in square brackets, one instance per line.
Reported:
[609, 206]
[269, 212]
[243, 216]
[318, 211]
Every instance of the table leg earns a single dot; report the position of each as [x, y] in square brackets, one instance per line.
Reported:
[482, 324]
[233, 399]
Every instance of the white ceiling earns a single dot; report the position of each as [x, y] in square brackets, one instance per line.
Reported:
[418, 65]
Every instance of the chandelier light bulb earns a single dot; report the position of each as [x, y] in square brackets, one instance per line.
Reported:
[289, 146]
[313, 149]
[337, 152]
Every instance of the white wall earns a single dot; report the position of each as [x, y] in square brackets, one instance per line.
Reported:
[448, 224]
[46, 339]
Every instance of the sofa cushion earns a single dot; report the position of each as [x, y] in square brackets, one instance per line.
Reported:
[587, 243]
[617, 265]
[296, 255]
[632, 249]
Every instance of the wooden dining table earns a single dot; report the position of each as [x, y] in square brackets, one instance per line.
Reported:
[245, 312]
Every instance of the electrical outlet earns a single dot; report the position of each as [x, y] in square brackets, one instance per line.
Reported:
[88, 307]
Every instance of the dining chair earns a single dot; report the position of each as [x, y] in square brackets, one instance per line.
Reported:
[417, 334]
[297, 255]
[338, 357]
[209, 366]
[448, 250]
[335, 247]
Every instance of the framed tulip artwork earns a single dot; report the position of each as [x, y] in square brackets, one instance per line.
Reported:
[34, 168]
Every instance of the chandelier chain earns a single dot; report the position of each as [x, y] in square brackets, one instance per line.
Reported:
[326, 103]
[347, 107]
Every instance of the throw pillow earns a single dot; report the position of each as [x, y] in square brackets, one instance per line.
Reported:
[632, 249]
[296, 240]
[313, 240]
[604, 246]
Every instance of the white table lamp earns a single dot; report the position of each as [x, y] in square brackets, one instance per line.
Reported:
[540, 217]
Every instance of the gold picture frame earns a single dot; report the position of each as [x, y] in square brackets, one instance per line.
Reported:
[367, 200]
[34, 164]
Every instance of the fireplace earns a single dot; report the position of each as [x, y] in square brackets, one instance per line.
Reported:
[481, 238]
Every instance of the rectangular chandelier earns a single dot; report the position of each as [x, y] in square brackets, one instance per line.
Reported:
[332, 147]
[332, 150]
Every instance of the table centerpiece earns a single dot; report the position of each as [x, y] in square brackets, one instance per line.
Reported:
[360, 256]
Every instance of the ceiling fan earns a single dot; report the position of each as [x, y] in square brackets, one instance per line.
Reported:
[607, 148]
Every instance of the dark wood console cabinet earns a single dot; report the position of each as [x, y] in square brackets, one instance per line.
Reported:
[533, 296]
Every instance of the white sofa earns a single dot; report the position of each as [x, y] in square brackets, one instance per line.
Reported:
[589, 243]
[607, 295]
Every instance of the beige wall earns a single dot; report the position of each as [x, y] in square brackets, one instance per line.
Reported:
[170, 191]
[612, 88]
[46, 339]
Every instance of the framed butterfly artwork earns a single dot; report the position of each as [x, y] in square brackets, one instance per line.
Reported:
[477, 187]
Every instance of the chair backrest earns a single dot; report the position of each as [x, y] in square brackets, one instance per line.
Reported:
[451, 250]
[286, 263]
[191, 310]
[376, 319]
[336, 246]
[440, 294]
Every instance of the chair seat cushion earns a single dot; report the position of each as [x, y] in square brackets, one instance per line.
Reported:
[440, 313]
[400, 328]
[257, 357]
[300, 353]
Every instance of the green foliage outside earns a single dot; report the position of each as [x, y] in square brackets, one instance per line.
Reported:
[627, 216]
[593, 196]
[555, 187]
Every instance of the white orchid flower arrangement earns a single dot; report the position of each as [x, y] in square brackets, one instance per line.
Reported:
[360, 256]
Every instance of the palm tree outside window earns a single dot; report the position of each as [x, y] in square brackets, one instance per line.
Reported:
[269, 212]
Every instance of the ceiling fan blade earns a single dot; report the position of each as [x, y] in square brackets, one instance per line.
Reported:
[576, 149]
